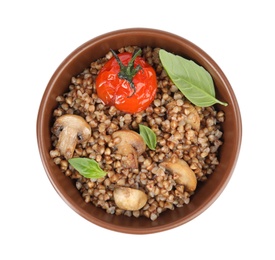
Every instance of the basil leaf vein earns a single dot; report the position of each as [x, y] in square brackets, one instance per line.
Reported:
[87, 167]
[191, 79]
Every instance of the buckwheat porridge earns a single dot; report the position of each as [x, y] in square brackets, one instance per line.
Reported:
[138, 180]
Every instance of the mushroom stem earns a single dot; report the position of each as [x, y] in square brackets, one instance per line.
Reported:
[131, 155]
[67, 142]
[193, 117]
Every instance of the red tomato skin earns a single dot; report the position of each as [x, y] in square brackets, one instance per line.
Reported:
[117, 92]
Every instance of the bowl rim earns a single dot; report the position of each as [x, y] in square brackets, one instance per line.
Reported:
[61, 68]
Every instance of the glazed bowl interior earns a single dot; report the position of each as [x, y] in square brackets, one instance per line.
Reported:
[205, 194]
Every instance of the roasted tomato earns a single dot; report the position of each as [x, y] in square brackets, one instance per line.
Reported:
[127, 82]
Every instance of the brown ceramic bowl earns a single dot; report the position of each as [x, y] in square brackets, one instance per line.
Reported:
[205, 194]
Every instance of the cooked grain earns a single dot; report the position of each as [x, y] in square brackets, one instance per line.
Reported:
[167, 117]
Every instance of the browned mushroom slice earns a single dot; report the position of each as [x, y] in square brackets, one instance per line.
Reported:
[129, 199]
[193, 117]
[130, 144]
[70, 130]
[183, 174]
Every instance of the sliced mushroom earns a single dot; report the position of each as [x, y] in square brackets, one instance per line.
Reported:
[193, 117]
[129, 199]
[129, 144]
[70, 130]
[183, 174]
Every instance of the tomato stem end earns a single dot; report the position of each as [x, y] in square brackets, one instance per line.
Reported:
[128, 72]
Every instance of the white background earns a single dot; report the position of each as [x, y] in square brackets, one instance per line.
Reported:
[36, 36]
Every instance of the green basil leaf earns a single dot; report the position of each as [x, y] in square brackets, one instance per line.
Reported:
[148, 136]
[191, 79]
[88, 168]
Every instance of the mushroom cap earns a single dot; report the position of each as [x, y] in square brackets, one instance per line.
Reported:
[129, 137]
[70, 130]
[129, 199]
[131, 145]
[182, 172]
[76, 122]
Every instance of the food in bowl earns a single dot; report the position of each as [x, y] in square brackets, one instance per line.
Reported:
[143, 161]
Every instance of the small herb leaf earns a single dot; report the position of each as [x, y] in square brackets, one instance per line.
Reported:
[191, 79]
[88, 168]
[148, 136]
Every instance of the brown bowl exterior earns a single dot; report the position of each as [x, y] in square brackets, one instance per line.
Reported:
[205, 194]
